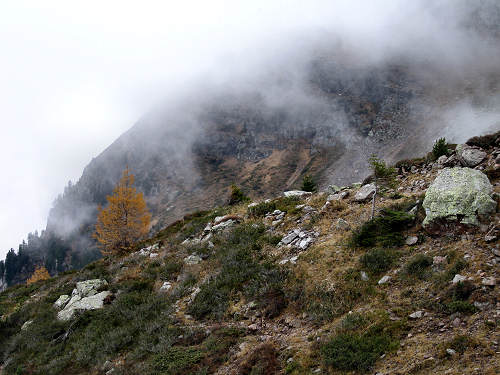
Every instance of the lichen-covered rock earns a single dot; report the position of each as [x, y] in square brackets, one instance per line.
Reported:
[459, 194]
[89, 287]
[93, 302]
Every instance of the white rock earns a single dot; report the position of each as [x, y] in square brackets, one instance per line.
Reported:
[489, 281]
[223, 225]
[88, 303]
[61, 301]
[192, 260]
[384, 280]
[364, 276]
[450, 351]
[26, 324]
[417, 315]
[166, 286]
[297, 193]
[458, 278]
[153, 255]
[411, 240]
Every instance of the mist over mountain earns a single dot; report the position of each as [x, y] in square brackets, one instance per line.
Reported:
[316, 102]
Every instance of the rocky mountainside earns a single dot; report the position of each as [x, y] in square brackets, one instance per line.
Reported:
[303, 283]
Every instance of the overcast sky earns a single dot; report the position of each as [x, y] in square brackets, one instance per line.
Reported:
[74, 75]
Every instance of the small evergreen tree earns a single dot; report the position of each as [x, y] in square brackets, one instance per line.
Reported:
[308, 184]
[440, 148]
[125, 220]
[384, 178]
[237, 195]
[40, 273]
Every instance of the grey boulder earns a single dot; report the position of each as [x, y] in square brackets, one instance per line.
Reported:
[77, 303]
[470, 156]
[459, 194]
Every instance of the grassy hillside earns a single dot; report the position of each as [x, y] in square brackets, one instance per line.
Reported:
[241, 301]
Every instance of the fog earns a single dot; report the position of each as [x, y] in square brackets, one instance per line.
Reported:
[73, 77]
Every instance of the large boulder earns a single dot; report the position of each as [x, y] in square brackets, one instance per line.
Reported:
[459, 195]
[470, 156]
[77, 303]
[84, 297]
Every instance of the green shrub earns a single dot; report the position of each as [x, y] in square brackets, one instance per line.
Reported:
[171, 269]
[308, 184]
[440, 148]
[360, 341]
[385, 176]
[177, 360]
[376, 261]
[384, 230]
[419, 266]
[353, 352]
[261, 209]
[458, 266]
[460, 306]
[237, 196]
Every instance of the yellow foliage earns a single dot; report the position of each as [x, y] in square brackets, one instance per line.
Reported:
[125, 219]
[40, 273]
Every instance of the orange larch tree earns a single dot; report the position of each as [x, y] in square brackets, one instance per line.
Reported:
[40, 273]
[124, 220]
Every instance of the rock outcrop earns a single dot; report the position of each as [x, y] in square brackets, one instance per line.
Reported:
[84, 297]
[460, 195]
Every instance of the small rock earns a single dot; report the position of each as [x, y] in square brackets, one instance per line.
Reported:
[192, 260]
[153, 255]
[489, 281]
[341, 224]
[417, 315]
[26, 324]
[458, 278]
[364, 276]
[412, 240]
[450, 351]
[384, 280]
[490, 238]
[365, 193]
[253, 327]
[456, 322]
[166, 286]
[439, 260]
[297, 193]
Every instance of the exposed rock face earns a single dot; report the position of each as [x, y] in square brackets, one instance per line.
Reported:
[459, 195]
[470, 156]
[84, 297]
[93, 302]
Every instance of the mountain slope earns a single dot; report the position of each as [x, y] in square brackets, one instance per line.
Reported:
[284, 286]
